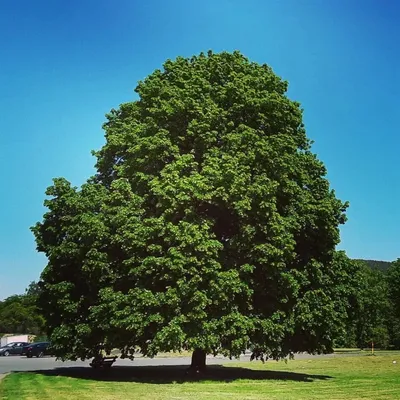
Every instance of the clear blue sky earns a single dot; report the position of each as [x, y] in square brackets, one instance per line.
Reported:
[64, 64]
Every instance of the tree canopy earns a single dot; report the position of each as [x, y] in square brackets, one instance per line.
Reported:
[210, 224]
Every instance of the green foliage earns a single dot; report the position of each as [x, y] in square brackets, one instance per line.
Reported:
[20, 314]
[393, 280]
[210, 224]
[394, 286]
[379, 265]
[369, 318]
[375, 310]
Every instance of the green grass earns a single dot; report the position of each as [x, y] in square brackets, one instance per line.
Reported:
[353, 378]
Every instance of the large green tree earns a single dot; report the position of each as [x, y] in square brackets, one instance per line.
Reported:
[210, 224]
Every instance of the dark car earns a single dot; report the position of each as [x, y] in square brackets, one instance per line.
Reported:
[15, 348]
[39, 349]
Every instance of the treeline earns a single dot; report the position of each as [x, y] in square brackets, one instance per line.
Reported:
[19, 314]
[374, 264]
[374, 316]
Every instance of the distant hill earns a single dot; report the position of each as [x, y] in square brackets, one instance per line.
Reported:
[374, 264]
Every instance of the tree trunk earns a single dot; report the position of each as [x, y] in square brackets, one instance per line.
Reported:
[198, 361]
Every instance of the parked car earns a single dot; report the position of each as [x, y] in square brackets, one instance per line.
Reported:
[15, 348]
[39, 349]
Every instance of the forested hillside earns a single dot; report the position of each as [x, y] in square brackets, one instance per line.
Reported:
[375, 264]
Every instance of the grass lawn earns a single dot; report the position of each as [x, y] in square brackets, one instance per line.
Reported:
[367, 377]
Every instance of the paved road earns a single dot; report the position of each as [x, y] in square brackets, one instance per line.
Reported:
[16, 363]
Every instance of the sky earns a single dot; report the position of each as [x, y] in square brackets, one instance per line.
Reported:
[64, 64]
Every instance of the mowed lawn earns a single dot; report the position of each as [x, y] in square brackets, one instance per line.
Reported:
[367, 377]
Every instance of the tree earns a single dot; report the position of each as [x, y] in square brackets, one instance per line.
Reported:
[369, 312]
[394, 286]
[373, 316]
[210, 225]
[19, 314]
[393, 280]
[33, 291]
[351, 273]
